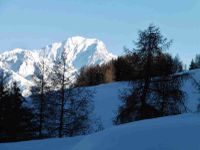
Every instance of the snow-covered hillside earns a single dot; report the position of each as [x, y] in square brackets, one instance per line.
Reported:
[179, 132]
[23, 64]
[107, 98]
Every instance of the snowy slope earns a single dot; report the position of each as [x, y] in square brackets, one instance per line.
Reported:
[192, 94]
[107, 98]
[107, 101]
[179, 132]
[79, 51]
[167, 133]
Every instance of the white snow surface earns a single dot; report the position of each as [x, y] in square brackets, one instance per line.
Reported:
[79, 51]
[179, 132]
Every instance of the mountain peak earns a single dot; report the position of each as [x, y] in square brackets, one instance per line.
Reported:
[78, 51]
[77, 38]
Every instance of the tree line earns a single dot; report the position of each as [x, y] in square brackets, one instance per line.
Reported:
[55, 108]
[195, 63]
[126, 68]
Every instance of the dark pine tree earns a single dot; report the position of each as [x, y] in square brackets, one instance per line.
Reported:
[78, 113]
[74, 105]
[192, 65]
[167, 95]
[17, 118]
[60, 82]
[195, 63]
[39, 96]
[3, 97]
[140, 101]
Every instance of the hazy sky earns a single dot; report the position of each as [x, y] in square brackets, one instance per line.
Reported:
[35, 23]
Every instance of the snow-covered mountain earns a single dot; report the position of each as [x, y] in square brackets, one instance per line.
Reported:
[22, 64]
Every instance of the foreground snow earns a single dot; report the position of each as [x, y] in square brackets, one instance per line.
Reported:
[179, 132]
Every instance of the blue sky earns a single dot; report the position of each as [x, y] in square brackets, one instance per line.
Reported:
[35, 23]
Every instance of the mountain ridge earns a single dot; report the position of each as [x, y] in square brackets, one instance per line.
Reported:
[22, 64]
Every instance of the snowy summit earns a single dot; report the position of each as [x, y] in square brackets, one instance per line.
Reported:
[79, 51]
